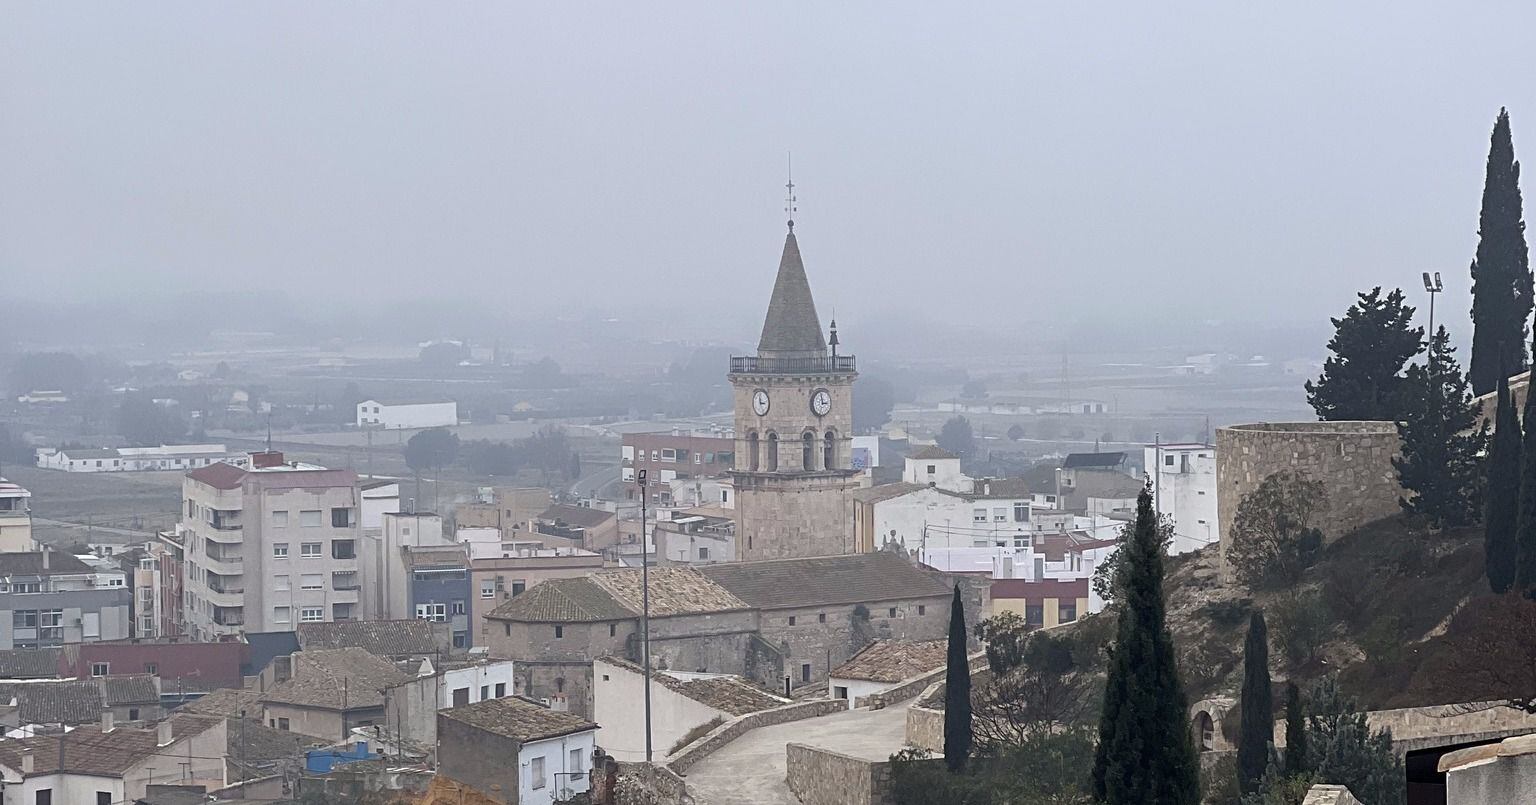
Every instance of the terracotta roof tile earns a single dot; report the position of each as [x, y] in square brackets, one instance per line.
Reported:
[563, 600]
[518, 718]
[337, 679]
[674, 591]
[731, 694]
[826, 580]
[894, 660]
[583, 516]
[218, 475]
[93, 752]
[30, 663]
[58, 702]
[130, 689]
[397, 638]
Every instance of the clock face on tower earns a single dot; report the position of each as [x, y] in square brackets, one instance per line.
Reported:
[821, 402]
[760, 402]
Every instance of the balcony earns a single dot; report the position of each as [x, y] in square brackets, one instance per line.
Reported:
[226, 563]
[811, 365]
[229, 617]
[345, 581]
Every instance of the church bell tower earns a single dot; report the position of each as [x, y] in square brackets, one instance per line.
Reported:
[794, 424]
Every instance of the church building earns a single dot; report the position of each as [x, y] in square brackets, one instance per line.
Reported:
[794, 426]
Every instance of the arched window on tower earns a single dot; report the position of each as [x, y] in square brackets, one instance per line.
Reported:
[829, 448]
[773, 452]
[752, 451]
[808, 451]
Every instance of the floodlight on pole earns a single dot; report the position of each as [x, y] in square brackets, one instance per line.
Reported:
[1433, 286]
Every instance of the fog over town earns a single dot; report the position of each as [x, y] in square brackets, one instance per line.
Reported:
[818, 403]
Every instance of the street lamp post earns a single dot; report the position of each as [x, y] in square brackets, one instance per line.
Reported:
[645, 611]
[1433, 286]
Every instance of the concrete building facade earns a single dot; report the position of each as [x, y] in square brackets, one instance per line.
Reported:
[1183, 480]
[405, 416]
[15, 518]
[51, 598]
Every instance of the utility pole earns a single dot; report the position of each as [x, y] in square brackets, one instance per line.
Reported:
[645, 611]
[1433, 286]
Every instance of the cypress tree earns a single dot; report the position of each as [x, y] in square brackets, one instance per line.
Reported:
[1145, 755]
[1371, 344]
[1525, 525]
[1501, 273]
[1503, 499]
[1295, 731]
[957, 691]
[1442, 440]
[1257, 728]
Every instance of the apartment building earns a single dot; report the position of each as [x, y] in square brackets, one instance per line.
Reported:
[270, 547]
[15, 518]
[670, 456]
[53, 598]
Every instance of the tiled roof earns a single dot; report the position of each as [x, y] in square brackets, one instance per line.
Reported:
[30, 563]
[674, 591]
[130, 689]
[1000, 488]
[226, 702]
[518, 718]
[336, 679]
[883, 492]
[218, 475]
[893, 660]
[791, 326]
[931, 452]
[563, 600]
[826, 580]
[58, 702]
[1088, 460]
[731, 694]
[253, 742]
[30, 663]
[93, 752]
[583, 516]
[384, 638]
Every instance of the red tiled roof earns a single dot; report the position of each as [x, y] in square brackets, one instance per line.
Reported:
[1037, 591]
[218, 475]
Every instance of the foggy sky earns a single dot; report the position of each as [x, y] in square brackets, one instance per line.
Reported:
[1022, 163]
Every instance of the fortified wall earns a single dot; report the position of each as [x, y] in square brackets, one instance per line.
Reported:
[1353, 460]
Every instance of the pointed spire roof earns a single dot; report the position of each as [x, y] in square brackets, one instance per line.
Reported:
[792, 328]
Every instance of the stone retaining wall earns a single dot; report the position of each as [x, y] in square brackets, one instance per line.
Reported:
[916, 685]
[645, 784]
[731, 730]
[1353, 460]
[925, 728]
[823, 777]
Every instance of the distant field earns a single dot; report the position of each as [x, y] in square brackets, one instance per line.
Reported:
[144, 500]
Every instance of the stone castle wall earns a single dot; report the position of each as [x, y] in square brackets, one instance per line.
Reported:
[822, 777]
[1353, 460]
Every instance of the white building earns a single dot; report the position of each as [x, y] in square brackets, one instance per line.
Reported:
[404, 416]
[15, 518]
[882, 665]
[411, 707]
[944, 508]
[114, 764]
[136, 459]
[1184, 487]
[680, 704]
[269, 547]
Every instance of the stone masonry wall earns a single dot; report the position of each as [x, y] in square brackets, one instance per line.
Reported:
[1353, 460]
[917, 684]
[925, 728]
[731, 730]
[822, 777]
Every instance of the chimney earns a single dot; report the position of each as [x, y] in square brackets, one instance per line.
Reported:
[27, 763]
[106, 721]
[265, 459]
[163, 733]
[46, 551]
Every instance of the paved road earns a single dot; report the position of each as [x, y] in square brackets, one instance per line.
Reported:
[750, 769]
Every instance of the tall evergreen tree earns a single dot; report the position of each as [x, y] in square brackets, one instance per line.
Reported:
[957, 691]
[1145, 754]
[1257, 725]
[1372, 342]
[1295, 731]
[1525, 525]
[1501, 272]
[1502, 513]
[1442, 441]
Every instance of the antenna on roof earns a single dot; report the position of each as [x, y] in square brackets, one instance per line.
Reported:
[789, 199]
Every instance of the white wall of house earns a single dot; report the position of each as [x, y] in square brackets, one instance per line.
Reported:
[943, 473]
[852, 689]
[565, 761]
[932, 518]
[618, 704]
[374, 414]
[481, 680]
[1185, 485]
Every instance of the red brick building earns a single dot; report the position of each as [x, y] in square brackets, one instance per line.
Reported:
[672, 456]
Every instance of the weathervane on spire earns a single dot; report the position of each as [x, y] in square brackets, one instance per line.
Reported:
[789, 200]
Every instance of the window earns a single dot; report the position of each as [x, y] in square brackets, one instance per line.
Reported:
[668, 454]
[1021, 512]
[312, 581]
[279, 550]
[1167, 461]
[613, 630]
[821, 617]
[501, 689]
[100, 668]
[280, 614]
[791, 620]
[346, 549]
[282, 724]
[24, 619]
[933, 469]
[133, 714]
[487, 588]
[805, 672]
[891, 613]
[1067, 612]
[518, 587]
[559, 631]
[309, 518]
[341, 518]
[978, 515]
[485, 692]
[151, 668]
[922, 610]
[280, 519]
[576, 760]
[1000, 514]
[52, 624]
[559, 684]
[432, 612]
[309, 550]
[311, 614]
[536, 771]
[45, 796]
[703, 553]
[1034, 614]
[773, 452]
[281, 584]
[458, 608]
